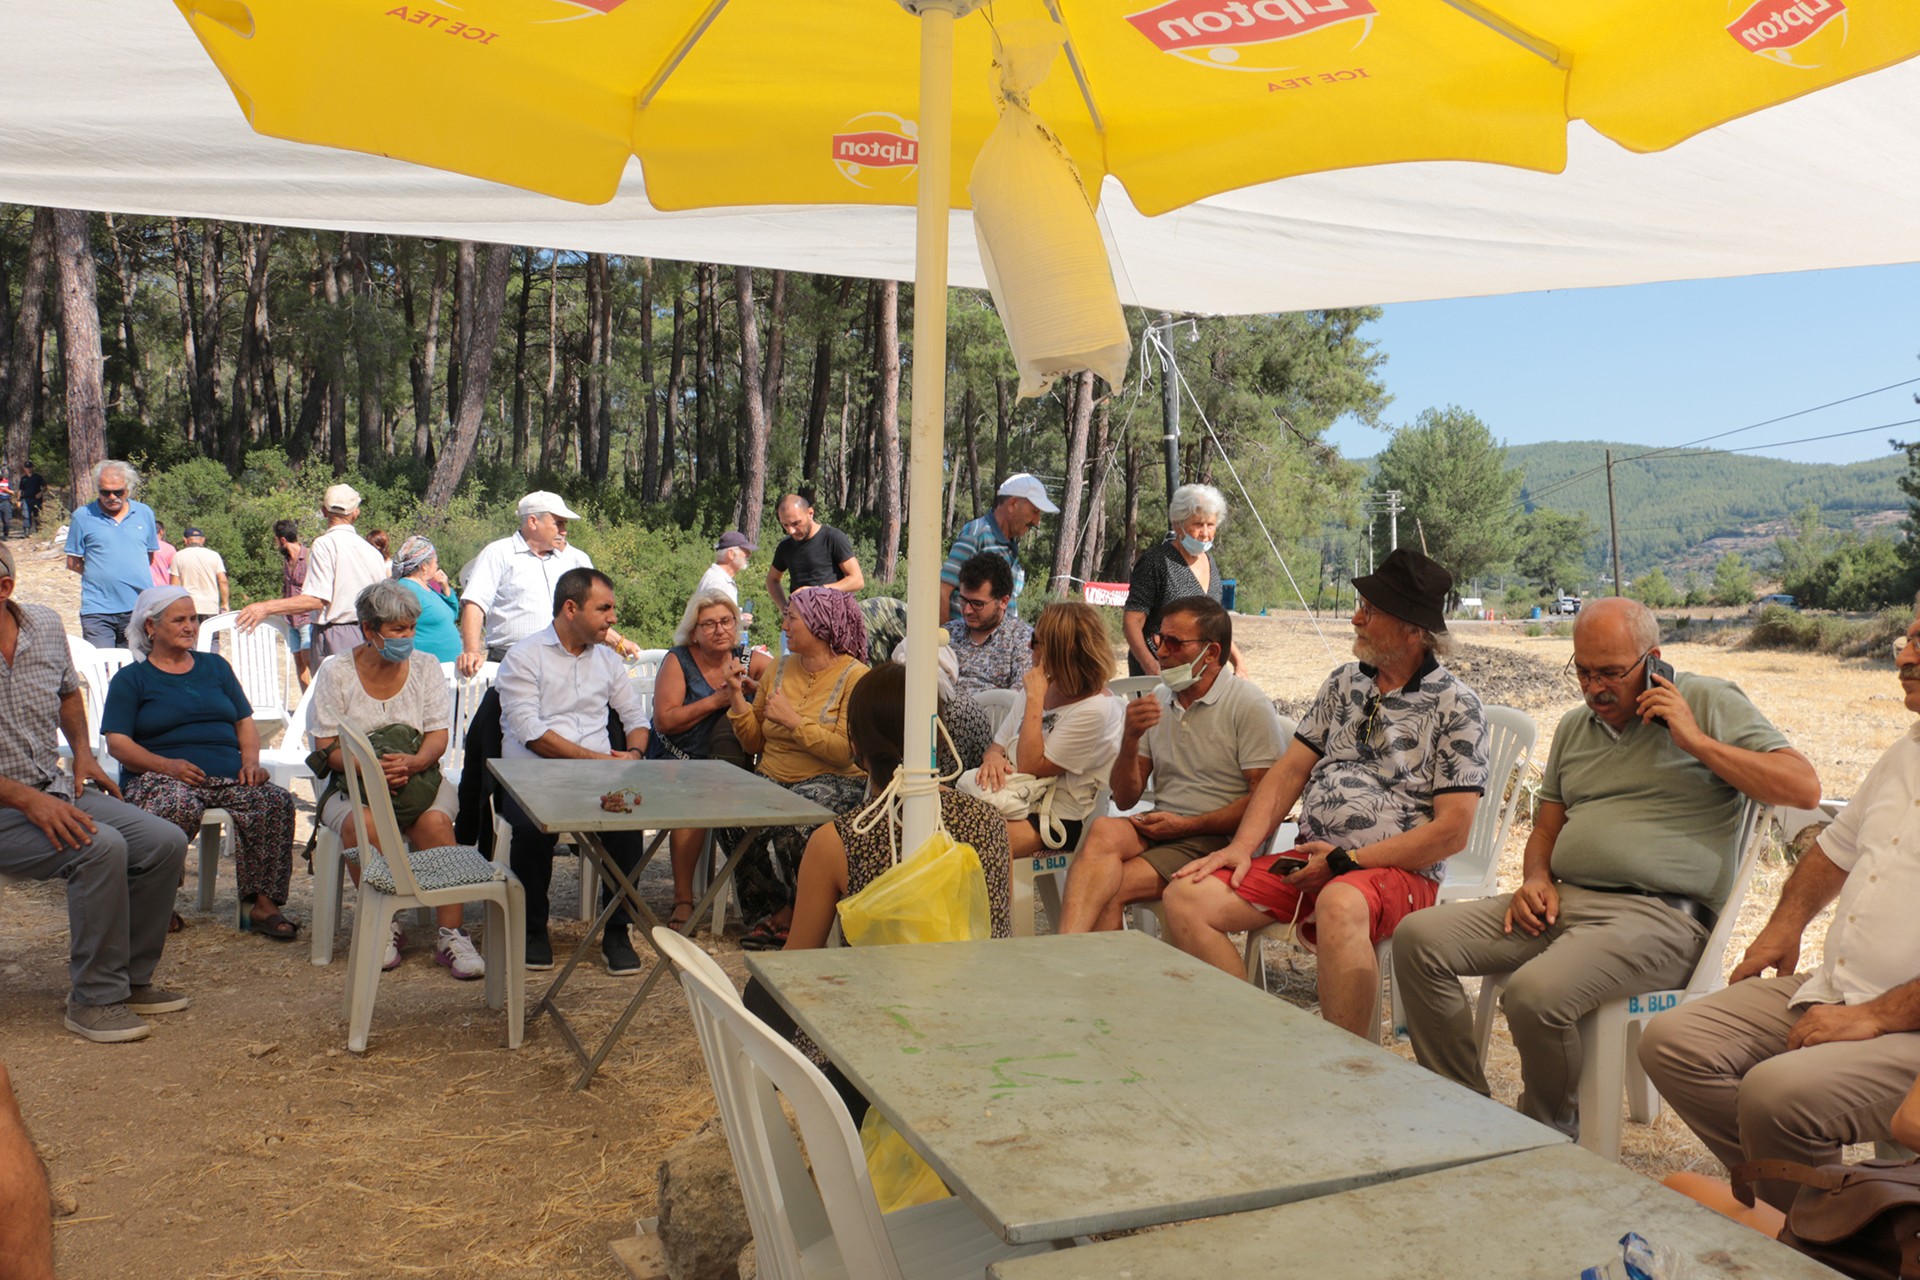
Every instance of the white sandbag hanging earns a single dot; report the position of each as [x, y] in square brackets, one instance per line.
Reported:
[1039, 244]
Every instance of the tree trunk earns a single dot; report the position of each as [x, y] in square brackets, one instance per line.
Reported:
[676, 374]
[753, 492]
[80, 354]
[1002, 429]
[603, 379]
[21, 385]
[776, 349]
[846, 416]
[334, 362]
[650, 447]
[972, 415]
[423, 352]
[892, 473]
[366, 349]
[1079, 419]
[129, 347]
[1095, 534]
[817, 409]
[254, 244]
[480, 330]
[313, 407]
[522, 408]
[702, 389]
[199, 411]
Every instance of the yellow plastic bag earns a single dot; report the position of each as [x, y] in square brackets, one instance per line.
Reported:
[900, 1177]
[937, 895]
[1045, 260]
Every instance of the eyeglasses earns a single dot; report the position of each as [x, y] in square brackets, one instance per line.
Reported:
[113, 493]
[1584, 676]
[968, 603]
[1371, 711]
[714, 624]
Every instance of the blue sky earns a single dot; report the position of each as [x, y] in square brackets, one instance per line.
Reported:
[1665, 363]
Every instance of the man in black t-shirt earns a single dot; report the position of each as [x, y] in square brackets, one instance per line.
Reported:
[811, 555]
[30, 488]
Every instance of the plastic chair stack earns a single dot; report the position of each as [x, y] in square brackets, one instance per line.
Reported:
[809, 1199]
[424, 878]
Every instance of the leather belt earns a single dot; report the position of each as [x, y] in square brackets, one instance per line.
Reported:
[1689, 907]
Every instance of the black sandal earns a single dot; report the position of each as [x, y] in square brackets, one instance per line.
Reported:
[765, 936]
[275, 926]
[675, 920]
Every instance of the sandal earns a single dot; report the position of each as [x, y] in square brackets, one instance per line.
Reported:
[275, 926]
[175, 923]
[682, 913]
[765, 936]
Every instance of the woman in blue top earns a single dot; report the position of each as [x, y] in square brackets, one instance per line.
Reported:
[437, 633]
[182, 730]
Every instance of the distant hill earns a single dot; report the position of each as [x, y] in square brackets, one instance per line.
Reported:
[1683, 510]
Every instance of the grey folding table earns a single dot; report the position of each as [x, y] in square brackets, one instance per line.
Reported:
[1544, 1213]
[1069, 1085]
[563, 797]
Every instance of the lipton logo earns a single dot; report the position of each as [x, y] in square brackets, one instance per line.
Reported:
[1774, 27]
[877, 149]
[1230, 33]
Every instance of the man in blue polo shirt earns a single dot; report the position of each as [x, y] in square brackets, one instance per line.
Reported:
[111, 543]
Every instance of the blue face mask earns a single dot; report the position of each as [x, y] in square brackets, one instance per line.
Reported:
[1195, 546]
[397, 650]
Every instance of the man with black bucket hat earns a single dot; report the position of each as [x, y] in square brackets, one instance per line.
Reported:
[1387, 767]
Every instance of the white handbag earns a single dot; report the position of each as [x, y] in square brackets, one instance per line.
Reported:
[1022, 796]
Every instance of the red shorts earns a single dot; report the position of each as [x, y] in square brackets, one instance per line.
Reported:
[1391, 894]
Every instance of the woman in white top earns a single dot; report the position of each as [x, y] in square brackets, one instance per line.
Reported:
[383, 682]
[1066, 726]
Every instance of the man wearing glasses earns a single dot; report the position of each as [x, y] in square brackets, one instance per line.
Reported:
[1632, 853]
[1387, 766]
[1205, 739]
[111, 543]
[994, 648]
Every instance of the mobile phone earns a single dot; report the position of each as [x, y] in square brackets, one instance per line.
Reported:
[1287, 863]
[1664, 669]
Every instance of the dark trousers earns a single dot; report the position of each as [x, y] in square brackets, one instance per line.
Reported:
[105, 630]
[531, 857]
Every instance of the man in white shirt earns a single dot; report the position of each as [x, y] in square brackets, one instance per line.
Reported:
[199, 569]
[556, 688]
[1795, 1066]
[729, 562]
[508, 591]
[340, 565]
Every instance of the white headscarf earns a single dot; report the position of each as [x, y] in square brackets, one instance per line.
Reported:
[152, 603]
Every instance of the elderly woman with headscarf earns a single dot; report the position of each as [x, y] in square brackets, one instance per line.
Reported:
[396, 696]
[182, 730]
[436, 633]
[1183, 565]
[797, 721]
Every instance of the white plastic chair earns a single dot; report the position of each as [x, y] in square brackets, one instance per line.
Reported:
[286, 764]
[468, 692]
[424, 878]
[1610, 1034]
[97, 668]
[809, 1199]
[262, 660]
[217, 837]
[1474, 871]
[1132, 686]
[1047, 871]
[998, 704]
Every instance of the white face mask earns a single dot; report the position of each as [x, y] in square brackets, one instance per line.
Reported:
[1183, 677]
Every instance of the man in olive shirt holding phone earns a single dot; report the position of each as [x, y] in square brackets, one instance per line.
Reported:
[1631, 858]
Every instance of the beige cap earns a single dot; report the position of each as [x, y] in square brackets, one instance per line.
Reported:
[541, 502]
[341, 499]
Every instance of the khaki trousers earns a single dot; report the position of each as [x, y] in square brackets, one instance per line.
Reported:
[1722, 1063]
[1602, 947]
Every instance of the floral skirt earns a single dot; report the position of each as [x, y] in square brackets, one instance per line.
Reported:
[766, 875]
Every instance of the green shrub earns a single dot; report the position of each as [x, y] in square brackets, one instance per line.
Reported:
[1782, 628]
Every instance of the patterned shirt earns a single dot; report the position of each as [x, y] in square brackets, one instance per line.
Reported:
[1000, 663]
[977, 536]
[1384, 757]
[31, 687]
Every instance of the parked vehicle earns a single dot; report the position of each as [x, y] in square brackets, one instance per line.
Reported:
[1567, 604]
[1780, 598]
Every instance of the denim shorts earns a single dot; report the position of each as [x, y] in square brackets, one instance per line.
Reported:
[301, 637]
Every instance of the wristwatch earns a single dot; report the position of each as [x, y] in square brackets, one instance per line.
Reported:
[1339, 862]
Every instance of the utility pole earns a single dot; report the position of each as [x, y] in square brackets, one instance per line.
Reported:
[1393, 519]
[1613, 523]
[1169, 399]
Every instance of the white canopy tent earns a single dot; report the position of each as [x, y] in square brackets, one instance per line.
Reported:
[109, 104]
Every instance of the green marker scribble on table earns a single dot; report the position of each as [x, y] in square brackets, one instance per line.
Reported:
[900, 1020]
[1004, 1079]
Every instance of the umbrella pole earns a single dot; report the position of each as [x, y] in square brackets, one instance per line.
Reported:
[920, 815]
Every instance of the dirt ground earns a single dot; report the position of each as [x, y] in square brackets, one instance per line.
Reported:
[242, 1139]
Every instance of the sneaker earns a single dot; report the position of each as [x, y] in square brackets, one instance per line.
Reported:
[456, 952]
[395, 942]
[539, 951]
[618, 952]
[152, 999]
[106, 1023]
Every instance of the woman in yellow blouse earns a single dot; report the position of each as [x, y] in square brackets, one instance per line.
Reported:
[797, 722]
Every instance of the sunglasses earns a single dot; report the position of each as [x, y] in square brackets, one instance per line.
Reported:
[113, 493]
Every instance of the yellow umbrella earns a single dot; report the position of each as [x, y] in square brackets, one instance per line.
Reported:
[756, 102]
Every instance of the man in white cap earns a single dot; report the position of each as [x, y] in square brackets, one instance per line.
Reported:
[340, 565]
[508, 593]
[1023, 500]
